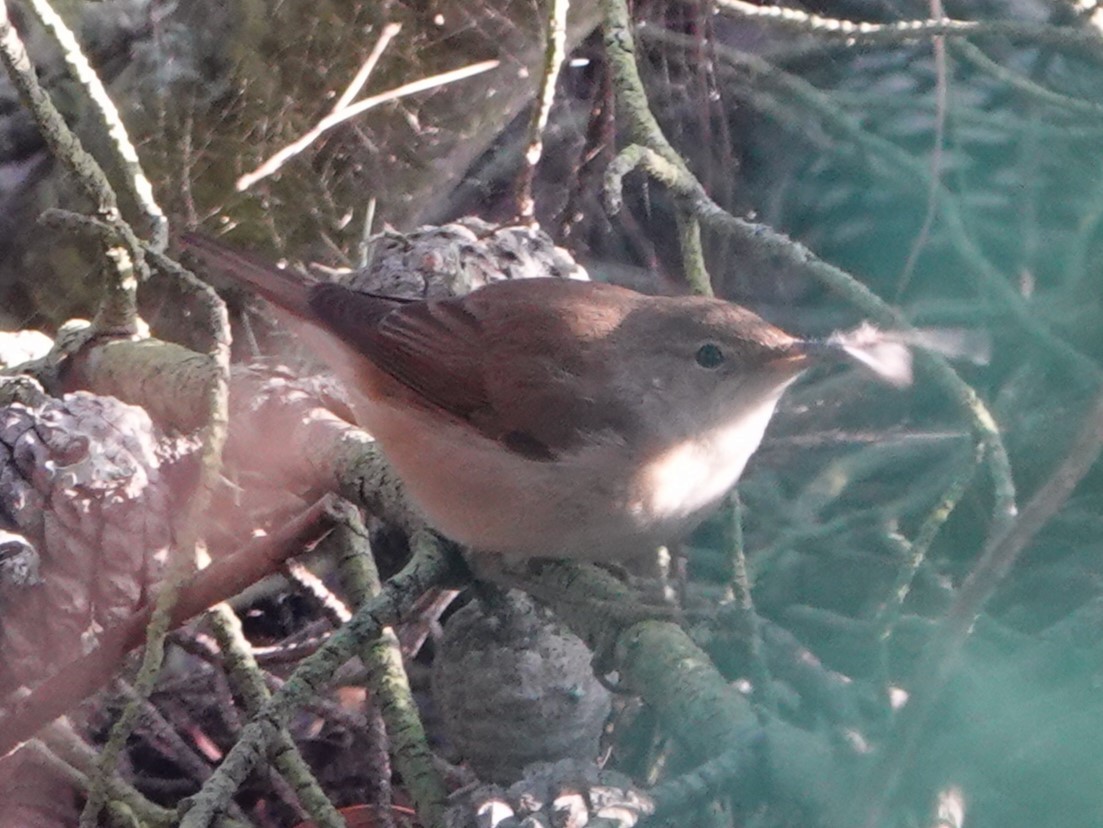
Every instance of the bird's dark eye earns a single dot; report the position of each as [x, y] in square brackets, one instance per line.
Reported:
[709, 355]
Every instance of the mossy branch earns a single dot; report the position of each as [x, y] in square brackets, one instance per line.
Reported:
[118, 310]
[634, 116]
[413, 758]
[431, 565]
[861, 32]
[248, 682]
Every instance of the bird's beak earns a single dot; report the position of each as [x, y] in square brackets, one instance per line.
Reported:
[798, 355]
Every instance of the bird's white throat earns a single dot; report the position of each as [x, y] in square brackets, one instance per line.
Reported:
[695, 473]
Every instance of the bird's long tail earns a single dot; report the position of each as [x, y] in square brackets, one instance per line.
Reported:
[286, 289]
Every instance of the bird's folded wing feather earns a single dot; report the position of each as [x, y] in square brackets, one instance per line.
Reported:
[451, 353]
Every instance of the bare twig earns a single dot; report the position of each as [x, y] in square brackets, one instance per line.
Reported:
[390, 31]
[554, 53]
[934, 183]
[351, 111]
[364, 247]
[860, 32]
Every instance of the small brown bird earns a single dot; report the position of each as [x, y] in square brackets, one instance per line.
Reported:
[551, 417]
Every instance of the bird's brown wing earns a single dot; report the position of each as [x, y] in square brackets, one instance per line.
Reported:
[426, 346]
[451, 352]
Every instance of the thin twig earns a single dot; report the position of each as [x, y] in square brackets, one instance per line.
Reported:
[934, 183]
[964, 50]
[744, 602]
[365, 247]
[554, 53]
[888, 614]
[861, 32]
[390, 31]
[340, 116]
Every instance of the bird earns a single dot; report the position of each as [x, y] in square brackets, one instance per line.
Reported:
[554, 418]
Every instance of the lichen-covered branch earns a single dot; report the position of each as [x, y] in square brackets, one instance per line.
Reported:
[118, 311]
[246, 678]
[79, 760]
[634, 116]
[657, 660]
[214, 395]
[390, 685]
[136, 181]
[431, 565]
[860, 32]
